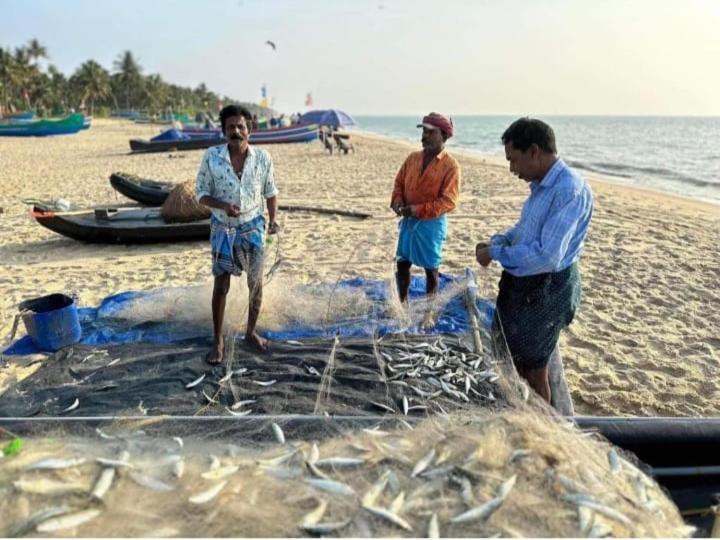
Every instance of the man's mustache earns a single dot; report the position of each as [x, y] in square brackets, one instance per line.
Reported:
[236, 137]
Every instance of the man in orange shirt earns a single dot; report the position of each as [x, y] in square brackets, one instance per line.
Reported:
[427, 187]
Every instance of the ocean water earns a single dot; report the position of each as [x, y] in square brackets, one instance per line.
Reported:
[679, 155]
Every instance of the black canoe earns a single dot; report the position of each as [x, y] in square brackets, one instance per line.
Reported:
[120, 226]
[140, 145]
[154, 193]
[146, 192]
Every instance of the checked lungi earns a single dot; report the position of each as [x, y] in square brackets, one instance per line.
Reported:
[238, 249]
[532, 310]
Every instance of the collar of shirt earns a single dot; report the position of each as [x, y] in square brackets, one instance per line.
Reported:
[550, 177]
[225, 153]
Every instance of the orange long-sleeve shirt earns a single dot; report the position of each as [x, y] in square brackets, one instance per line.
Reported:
[434, 191]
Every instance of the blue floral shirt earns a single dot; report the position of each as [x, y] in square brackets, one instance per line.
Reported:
[216, 178]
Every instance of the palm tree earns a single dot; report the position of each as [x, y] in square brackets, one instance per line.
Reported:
[129, 76]
[93, 81]
[156, 93]
[35, 51]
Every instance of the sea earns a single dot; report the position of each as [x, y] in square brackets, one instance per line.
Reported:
[677, 155]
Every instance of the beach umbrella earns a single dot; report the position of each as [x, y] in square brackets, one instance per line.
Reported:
[327, 117]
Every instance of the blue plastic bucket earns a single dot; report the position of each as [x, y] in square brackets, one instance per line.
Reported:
[53, 321]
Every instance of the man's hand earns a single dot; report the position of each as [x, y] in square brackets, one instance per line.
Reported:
[408, 211]
[396, 207]
[482, 254]
[273, 227]
[232, 210]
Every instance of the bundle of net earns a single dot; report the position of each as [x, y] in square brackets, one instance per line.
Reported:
[512, 473]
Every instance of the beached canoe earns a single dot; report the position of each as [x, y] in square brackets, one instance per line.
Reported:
[42, 128]
[120, 226]
[154, 193]
[146, 192]
[198, 139]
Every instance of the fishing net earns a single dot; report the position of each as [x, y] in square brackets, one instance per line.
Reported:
[181, 204]
[358, 423]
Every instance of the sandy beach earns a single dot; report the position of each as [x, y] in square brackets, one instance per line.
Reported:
[645, 341]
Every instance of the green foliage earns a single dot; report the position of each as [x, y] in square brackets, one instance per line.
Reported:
[92, 88]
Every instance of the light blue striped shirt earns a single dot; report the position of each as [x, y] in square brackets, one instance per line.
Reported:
[553, 223]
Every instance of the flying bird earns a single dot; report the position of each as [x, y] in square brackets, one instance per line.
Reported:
[272, 44]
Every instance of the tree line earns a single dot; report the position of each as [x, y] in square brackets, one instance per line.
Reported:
[24, 85]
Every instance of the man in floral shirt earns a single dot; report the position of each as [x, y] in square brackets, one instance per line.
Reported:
[233, 180]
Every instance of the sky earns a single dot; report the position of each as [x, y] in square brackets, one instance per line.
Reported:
[404, 57]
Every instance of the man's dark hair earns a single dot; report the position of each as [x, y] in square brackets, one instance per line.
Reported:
[234, 110]
[524, 132]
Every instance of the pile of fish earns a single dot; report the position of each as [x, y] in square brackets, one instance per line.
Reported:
[435, 480]
[424, 372]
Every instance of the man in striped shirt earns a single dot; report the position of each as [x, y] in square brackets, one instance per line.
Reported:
[540, 284]
[427, 187]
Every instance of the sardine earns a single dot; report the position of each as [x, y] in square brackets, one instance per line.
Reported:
[331, 486]
[339, 462]
[314, 517]
[423, 464]
[72, 407]
[397, 503]
[389, 516]
[38, 517]
[325, 528]
[179, 468]
[239, 413]
[104, 481]
[45, 486]
[55, 463]
[372, 494]
[196, 381]
[433, 527]
[106, 462]
[220, 472]
[238, 404]
[479, 513]
[67, 521]
[279, 435]
[210, 494]
[265, 383]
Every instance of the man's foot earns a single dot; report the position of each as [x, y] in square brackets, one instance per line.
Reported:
[257, 342]
[428, 322]
[215, 356]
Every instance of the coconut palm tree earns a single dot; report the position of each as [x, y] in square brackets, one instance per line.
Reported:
[129, 76]
[36, 51]
[93, 82]
[156, 93]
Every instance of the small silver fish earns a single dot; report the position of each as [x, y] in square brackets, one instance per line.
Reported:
[339, 461]
[293, 342]
[220, 472]
[383, 406]
[405, 405]
[210, 400]
[179, 441]
[179, 468]
[389, 516]
[506, 487]
[38, 517]
[67, 521]
[479, 513]
[331, 486]
[55, 463]
[45, 486]
[614, 460]
[314, 517]
[424, 463]
[325, 528]
[209, 495]
[75, 405]
[235, 406]
[372, 494]
[239, 413]
[196, 381]
[279, 435]
[433, 527]
[265, 383]
[114, 462]
[104, 481]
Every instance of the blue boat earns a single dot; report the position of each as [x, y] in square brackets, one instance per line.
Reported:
[42, 128]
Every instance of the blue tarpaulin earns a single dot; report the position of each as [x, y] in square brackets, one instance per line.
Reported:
[171, 135]
[100, 326]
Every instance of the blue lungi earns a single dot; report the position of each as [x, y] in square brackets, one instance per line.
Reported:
[238, 249]
[421, 241]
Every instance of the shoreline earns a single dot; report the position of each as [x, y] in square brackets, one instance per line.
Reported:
[593, 177]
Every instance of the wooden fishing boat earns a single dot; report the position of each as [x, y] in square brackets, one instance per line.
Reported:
[41, 128]
[199, 139]
[120, 226]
